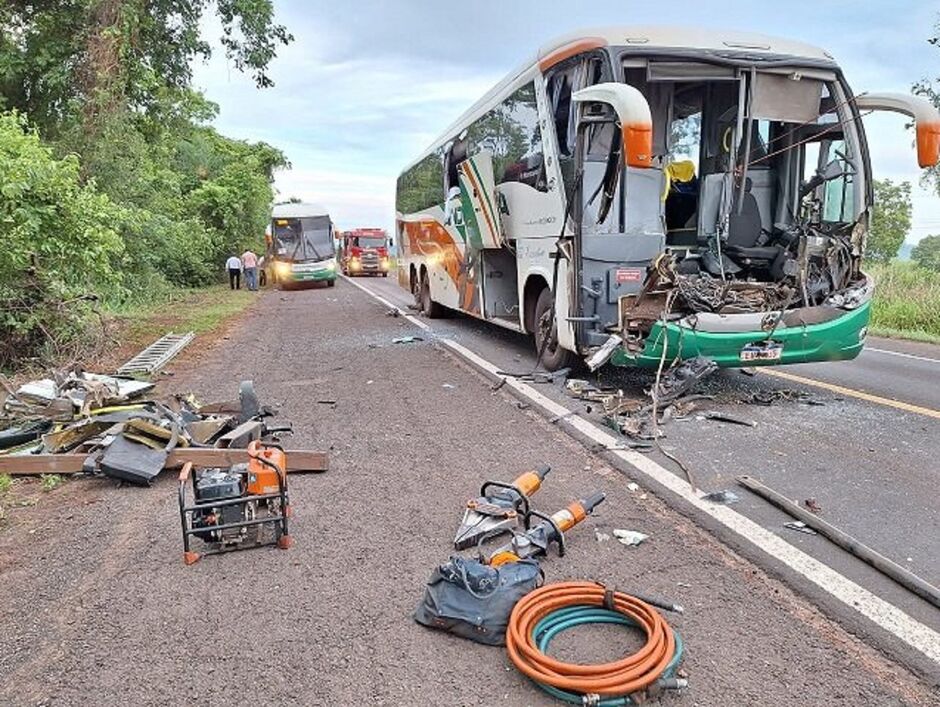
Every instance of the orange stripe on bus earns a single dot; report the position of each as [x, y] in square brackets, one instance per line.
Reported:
[570, 50]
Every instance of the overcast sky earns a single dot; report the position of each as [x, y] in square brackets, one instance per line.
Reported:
[366, 85]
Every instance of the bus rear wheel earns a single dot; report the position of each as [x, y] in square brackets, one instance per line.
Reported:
[554, 357]
[429, 308]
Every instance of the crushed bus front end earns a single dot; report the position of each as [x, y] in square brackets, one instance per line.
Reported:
[829, 332]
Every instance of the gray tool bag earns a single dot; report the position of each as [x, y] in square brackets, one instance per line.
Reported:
[474, 600]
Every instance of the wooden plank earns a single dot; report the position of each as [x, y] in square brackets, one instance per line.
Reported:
[35, 464]
[299, 461]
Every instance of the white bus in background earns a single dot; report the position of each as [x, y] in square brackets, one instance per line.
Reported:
[299, 245]
[634, 189]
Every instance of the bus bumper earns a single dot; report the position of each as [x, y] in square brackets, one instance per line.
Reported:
[838, 339]
[313, 276]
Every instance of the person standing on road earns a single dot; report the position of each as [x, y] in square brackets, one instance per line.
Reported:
[250, 266]
[234, 267]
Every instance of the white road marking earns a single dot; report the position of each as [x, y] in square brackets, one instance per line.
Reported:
[901, 354]
[884, 614]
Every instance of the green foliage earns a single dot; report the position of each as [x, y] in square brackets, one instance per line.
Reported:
[6, 483]
[48, 482]
[61, 242]
[891, 220]
[130, 190]
[907, 300]
[77, 59]
[927, 253]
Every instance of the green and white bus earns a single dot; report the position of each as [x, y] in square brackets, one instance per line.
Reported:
[299, 245]
[641, 194]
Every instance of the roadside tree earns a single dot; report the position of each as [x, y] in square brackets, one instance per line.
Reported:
[927, 253]
[891, 220]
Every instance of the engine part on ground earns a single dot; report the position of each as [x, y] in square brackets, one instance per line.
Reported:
[545, 612]
[500, 507]
[470, 599]
[235, 508]
[537, 539]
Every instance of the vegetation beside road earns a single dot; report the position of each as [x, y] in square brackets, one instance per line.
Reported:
[114, 188]
[907, 301]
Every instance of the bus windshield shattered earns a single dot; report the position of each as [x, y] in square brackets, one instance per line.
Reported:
[765, 191]
[763, 199]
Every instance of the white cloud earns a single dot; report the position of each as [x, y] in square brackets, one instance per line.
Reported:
[364, 89]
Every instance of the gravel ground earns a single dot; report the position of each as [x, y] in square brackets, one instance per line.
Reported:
[96, 606]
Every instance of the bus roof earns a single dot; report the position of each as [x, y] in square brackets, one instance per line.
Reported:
[644, 39]
[302, 210]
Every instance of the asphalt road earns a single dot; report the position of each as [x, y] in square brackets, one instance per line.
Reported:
[871, 466]
[96, 606]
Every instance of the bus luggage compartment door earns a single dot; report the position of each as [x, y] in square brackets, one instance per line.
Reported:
[478, 201]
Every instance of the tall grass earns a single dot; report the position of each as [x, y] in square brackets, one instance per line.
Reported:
[907, 301]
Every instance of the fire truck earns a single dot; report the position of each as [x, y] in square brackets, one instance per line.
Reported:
[364, 251]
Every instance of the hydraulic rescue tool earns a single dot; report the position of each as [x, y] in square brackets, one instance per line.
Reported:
[535, 541]
[500, 507]
[234, 507]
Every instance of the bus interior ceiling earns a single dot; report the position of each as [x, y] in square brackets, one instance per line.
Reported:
[759, 208]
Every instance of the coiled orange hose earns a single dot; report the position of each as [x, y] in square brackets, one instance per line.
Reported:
[622, 677]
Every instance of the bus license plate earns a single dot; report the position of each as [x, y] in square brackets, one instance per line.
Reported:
[762, 352]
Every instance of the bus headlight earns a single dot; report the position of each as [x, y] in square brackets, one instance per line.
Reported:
[852, 297]
[354, 263]
[282, 269]
[331, 264]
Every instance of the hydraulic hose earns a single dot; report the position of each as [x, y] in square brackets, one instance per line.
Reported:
[545, 612]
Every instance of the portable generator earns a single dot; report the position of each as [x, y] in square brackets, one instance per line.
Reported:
[235, 508]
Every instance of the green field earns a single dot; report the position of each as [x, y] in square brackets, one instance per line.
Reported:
[907, 302]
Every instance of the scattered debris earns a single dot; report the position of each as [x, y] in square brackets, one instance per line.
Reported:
[603, 354]
[393, 312]
[406, 339]
[680, 380]
[811, 504]
[633, 486]
[448, 386]
[898, 573]
[537, 376]
[601, 537]
[76, 421]
[800, 527]
[629, 537]
[726, 497]
[156, 356]
[730, 419]
[749, 371]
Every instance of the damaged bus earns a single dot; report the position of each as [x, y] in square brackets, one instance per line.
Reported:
[300, 246]
[642, 195]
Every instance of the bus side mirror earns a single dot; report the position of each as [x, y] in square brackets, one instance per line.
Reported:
[926, 120]
[633, 114]
[390, 243]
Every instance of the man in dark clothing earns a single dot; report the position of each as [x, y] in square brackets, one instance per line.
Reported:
[234, 267]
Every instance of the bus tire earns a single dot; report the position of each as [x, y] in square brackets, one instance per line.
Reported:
[429, 308]
[331, 283]
[554, 357]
